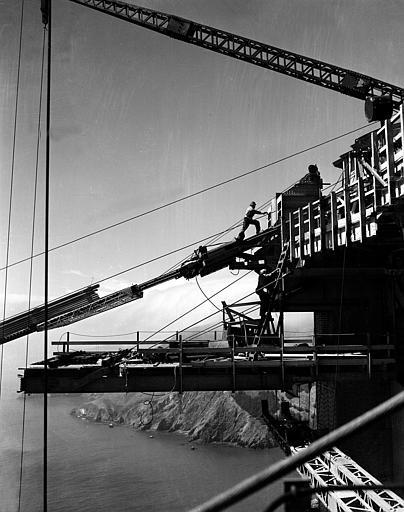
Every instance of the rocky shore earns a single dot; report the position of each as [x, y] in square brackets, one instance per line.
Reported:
[217, 416]
[207, 417]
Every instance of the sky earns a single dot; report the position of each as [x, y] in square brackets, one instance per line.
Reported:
[139, 120]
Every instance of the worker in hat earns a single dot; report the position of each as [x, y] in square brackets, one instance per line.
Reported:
[248, 219]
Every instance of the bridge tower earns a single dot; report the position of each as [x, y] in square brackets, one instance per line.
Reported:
[350, 273]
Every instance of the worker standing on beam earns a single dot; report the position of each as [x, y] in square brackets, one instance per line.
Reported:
[248, 219]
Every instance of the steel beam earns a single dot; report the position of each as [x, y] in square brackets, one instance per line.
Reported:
[223, 375]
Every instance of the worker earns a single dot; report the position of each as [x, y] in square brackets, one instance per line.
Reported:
[313, 170]
[248, 219]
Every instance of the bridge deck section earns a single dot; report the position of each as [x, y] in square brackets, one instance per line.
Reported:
[202, 369]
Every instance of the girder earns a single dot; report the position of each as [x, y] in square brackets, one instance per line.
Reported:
[200, 369]
[335, 468]
[310, 70]
[349, 472]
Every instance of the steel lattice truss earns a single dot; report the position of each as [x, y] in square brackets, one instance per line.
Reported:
[100, 305]
[288, 63]
[348, 472]
[336, 468]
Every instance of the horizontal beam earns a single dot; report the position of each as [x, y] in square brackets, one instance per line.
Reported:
[261, 349]
[203, 376]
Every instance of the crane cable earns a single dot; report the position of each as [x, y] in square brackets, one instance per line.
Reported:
[246, 311]
[193, 244]
[135, 267]
[194, 194]
[235, 302]
[170, 323]
[204, 294]
[11, 188]
[31, 260]
[196, 307]
[219, 235]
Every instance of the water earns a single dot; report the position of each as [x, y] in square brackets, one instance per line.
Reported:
[94, 468]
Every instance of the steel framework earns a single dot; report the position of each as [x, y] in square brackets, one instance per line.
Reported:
[282, 61]
[334, 467]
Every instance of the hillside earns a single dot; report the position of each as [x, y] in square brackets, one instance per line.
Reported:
[205, 417]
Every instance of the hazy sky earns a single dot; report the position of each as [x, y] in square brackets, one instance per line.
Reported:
[139, 120]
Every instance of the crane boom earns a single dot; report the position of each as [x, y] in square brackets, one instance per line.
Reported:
[86, 303]
[326, 75]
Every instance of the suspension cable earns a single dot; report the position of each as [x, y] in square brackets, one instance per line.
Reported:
[11, 186]
[31, 261]
[194, 194]
[47, 19]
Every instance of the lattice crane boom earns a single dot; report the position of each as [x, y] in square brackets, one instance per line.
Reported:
[334, 467]
[86, 303]
[320, 73]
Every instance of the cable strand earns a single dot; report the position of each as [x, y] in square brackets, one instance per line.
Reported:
[31, 265]
[11, 186]
[194, 194]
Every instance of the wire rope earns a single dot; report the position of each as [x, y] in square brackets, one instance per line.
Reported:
[210, 237]
[235, 302]
[47, 19]
[235, 224]
[11, 186]
[31, 263]
[213, 240]
[194, 308]
[246, 311]
[204, 294]
[198, 305]
[153, 333]
[138, 266]
[194, 194]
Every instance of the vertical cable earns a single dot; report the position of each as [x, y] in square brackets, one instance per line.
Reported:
[31, 261]
[11, 191]
[48, 19]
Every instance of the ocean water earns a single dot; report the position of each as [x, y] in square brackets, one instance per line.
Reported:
[94, 468]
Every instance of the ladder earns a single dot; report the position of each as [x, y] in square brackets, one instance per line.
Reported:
[277, 275]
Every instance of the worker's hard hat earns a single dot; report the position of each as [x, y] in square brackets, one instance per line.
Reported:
[253, 203]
